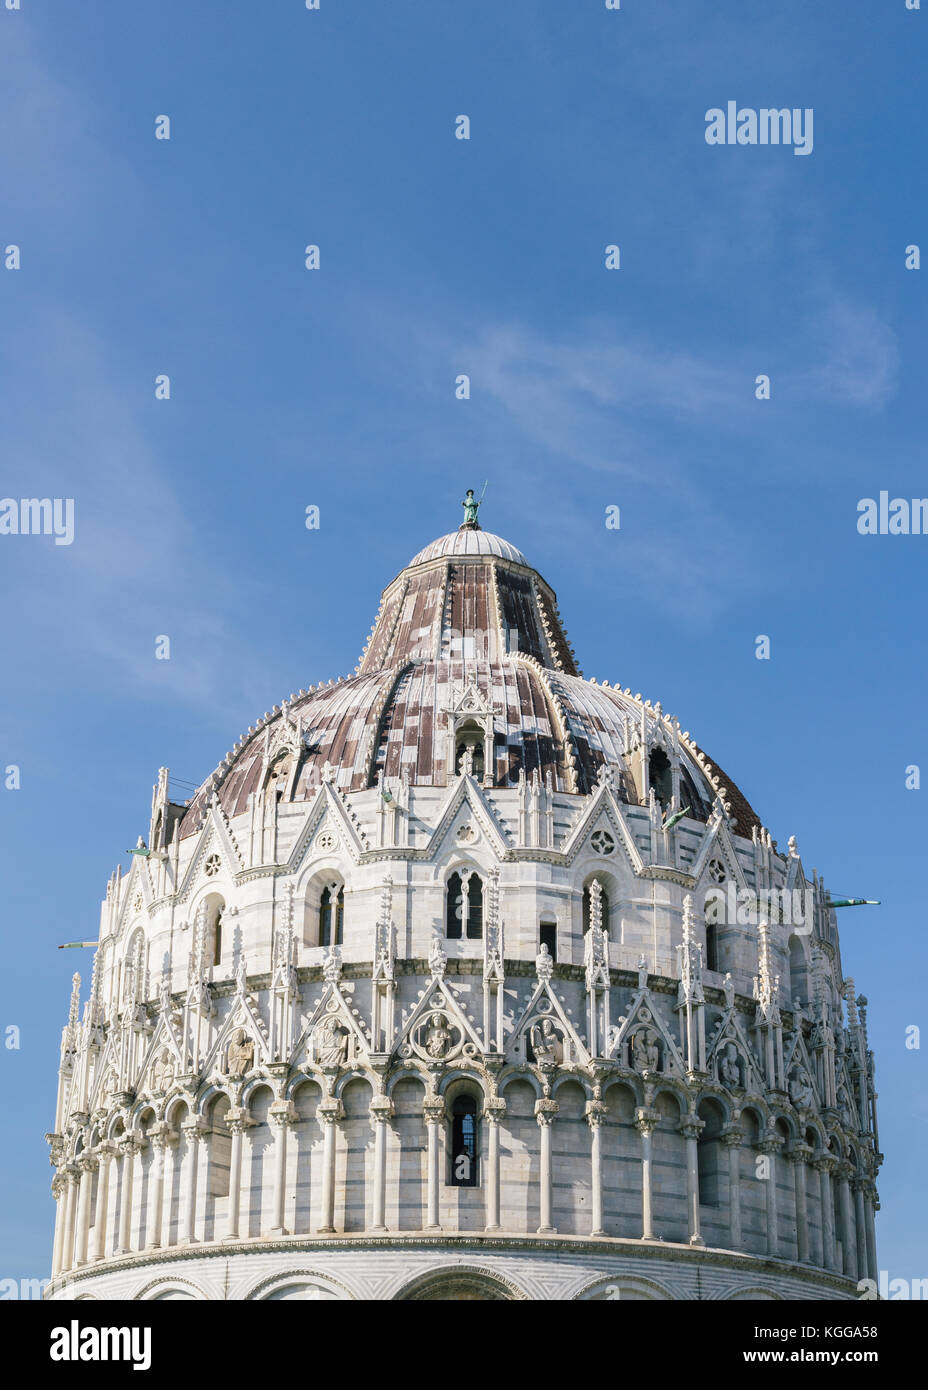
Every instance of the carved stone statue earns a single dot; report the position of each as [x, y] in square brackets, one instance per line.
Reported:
[546, 1045]
[162, 1071]
[730, 1067]
[330, 1039]
[544, 964]
[437, 960]
[332, 965]
[800, 1090]
[728, 989]
[240, 1054]
[642, 972]
[645, 1052]
[437, 1037]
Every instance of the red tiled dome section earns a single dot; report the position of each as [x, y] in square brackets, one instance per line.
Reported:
[459, 617]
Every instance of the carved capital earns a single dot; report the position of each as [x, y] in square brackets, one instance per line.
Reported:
[732, 1136]
[646, 1120]
[545, 1111]
[238, 1121]
[692, 1127]
[434, 1111]
[381, 1109]
[282, 1113]
[330, 1110]
[162, 1135]
[596, 1112]
[494, 1109]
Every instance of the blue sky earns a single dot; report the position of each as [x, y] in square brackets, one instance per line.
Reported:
[336, 388]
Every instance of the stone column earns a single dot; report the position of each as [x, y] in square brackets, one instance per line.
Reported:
[844, 1193]
[238, 1122]
[545, 1111]
[494, 1112]
[59, 1192]
[691, 1129]
[105, 1153]
[434, 1111]
[798, 1157]
[88, 1166]
[128, 1147]
[861, 1228]
[70, 1217]
[281, 1115]
[731, 1138]
[770, 1147]
[825, 1167]
[195, 1135]
[595, 1117]
[870, 1198]
[161, 1136]
[330, 1112]
[381, 1113]
[645, 1123]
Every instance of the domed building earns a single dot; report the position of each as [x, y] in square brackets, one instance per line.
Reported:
[465, 978]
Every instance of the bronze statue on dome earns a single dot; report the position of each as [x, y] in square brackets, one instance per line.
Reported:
[470, 522]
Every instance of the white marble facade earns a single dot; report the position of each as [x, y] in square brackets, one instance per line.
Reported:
[567, 1103]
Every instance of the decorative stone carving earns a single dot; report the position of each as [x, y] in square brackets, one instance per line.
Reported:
[437, 958]
[330, 1042]
[645, 1051]
[800, 1090]
[240, 1053]
[162, 1071]
[546, 1043]
[730, 1067]
[332, 965]
[544, 964]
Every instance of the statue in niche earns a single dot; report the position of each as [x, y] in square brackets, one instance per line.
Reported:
[546, 1045]
[730, 1067]
[331, 1043]
[240, 1054]
[728, 989]
[544, 963]
[642, 972]
[437, 1037]
[800, 1090]
[437, 959]
[162, 1071]
[645, 1054]
[332, 965]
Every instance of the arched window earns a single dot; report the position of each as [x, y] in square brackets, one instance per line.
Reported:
[331, 915]
[712, 945]
[464, 1127]
[798, 972]
[660, 775]
[464, 912]
[587, 912]
[217, 937]
[708, 1155]
[547, 935]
